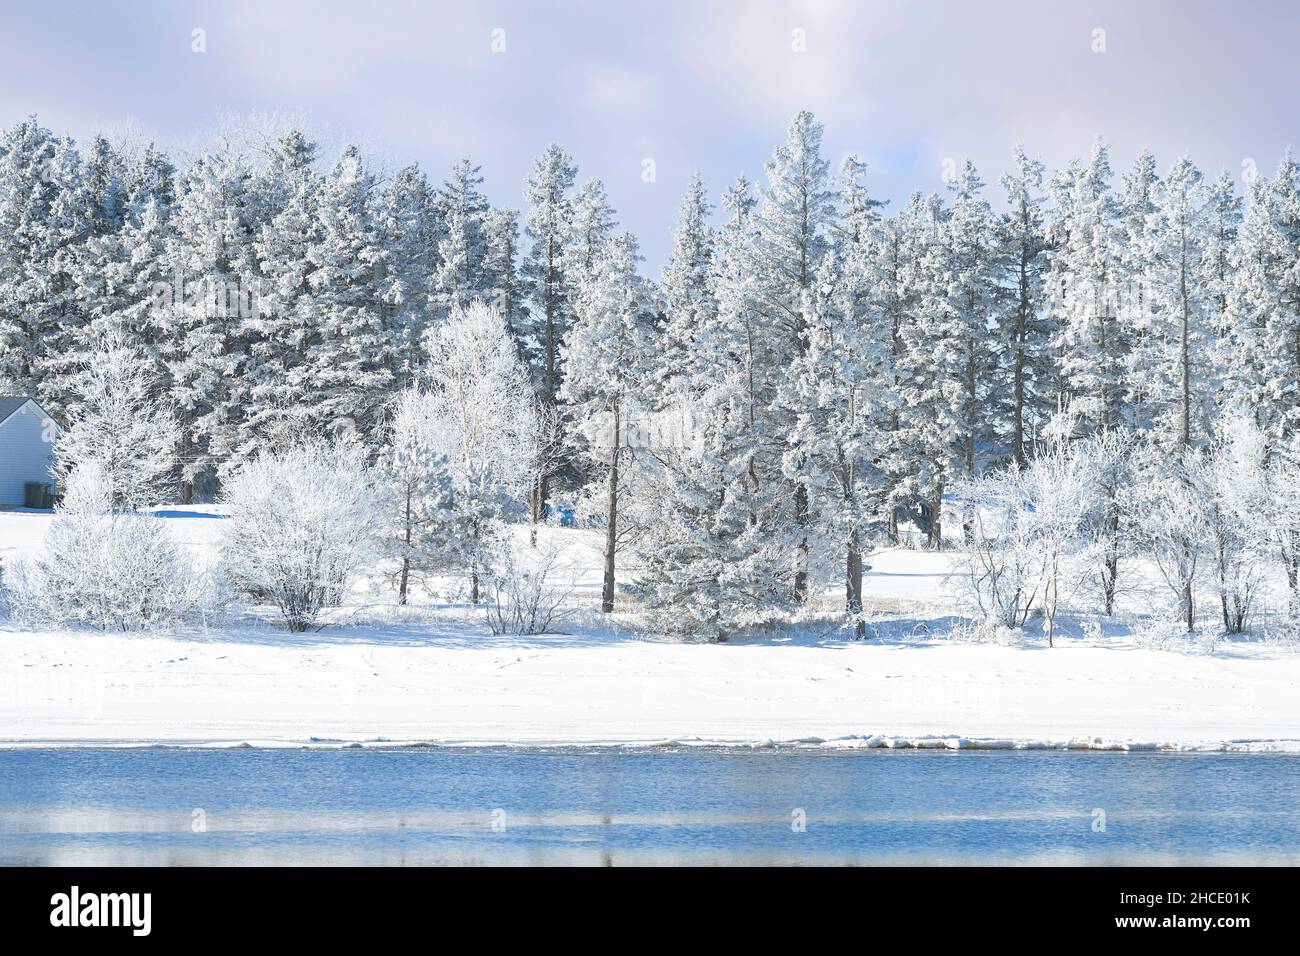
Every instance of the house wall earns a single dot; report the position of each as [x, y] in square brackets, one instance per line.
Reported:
[25, 455]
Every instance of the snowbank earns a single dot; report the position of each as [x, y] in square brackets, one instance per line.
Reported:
[331, 690]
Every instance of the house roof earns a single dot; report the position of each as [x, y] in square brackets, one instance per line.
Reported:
[9, 405]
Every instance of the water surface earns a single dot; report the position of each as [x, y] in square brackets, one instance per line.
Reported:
[660, 806]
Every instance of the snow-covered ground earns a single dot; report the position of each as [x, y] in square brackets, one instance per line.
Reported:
[384, 675]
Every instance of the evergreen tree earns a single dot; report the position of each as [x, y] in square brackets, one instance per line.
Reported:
[546, 192]
[357, 351]
[1178, 339]
[1085, 275]
[607, 355]
[794, 221]
[212, 263]
[462, 252]
[1025, 330]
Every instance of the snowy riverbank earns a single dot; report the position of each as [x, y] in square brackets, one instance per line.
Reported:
[435, 674]
[343, 688]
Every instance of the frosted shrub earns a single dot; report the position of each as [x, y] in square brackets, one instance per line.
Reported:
[1240, 502]
[1176, 503]
[1000, 574]
[526, 591]
[105, 569]
[304, 526]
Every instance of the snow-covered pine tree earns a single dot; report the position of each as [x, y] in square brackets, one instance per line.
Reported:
[965, 317]
[1222, 221]
[357, 348]
[607, 356]
[840, 387]
[1137, 309]
[88, 211]
[212, 263]
[282, 326]
[504, 287]
[1176, 341]
[1084, 277]
[462, 275]
[897, 248]
[38, 220]
[120, 423]
[547, 193]
[706, 564]
[1025, 330]
[1281, 355]
[407, 218]
[1264, 305]
[591, 225]
[690, 305]
[794, 222]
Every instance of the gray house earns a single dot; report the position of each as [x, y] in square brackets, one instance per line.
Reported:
[27, 436]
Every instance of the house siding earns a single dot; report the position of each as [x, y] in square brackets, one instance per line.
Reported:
[25, 454]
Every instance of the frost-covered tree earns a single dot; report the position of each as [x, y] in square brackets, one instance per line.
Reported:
[1029, 531]
[547, 230]
[212, 263]
[1173, 498]
[122, 422]
[839, 386]
[591, 225]
[89, 210]
[355, 357]
[690, 304]
[1085, 279]
[425, 538]
[926, 446]
[1222, 218]
[481, 408]
[1264, 304]
[1177, 339]
[1239, 508]
[409, 227]
[39, 223]
[1138, 307]
[282, 323]
[547, 193]
[895, 253]
[964, 285]
[304, 527]
[794, 220]
[607, 355]
[505, 289]
[706, 568]
[462, 252]
[1024, 323]
[1061, 482]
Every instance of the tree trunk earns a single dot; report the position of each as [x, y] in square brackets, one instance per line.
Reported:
[406, 558]
[853, 585]
[611, 522]
[1018, 413]
[801, 551]
[935, 542]
[1185, 417]
[536, 502]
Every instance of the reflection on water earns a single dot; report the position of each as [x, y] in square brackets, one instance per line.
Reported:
[603, 807]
